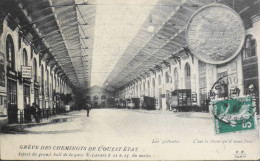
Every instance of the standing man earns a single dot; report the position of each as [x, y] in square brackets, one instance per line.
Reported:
[37, 114]
[88, 108]
[33, 111]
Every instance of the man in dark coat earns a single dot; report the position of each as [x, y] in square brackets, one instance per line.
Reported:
[37, 113]
[88, 108]
[33, 110]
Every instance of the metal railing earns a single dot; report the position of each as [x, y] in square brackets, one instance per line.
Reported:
[27, 115]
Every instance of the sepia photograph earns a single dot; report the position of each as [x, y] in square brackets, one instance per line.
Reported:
[129, 79]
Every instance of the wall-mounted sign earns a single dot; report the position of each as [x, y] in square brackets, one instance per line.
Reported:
[194, 97]
[26, 71]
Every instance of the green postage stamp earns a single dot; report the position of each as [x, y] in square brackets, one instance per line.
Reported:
[231, 115]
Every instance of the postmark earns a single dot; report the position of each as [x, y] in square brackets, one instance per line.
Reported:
[232, 113]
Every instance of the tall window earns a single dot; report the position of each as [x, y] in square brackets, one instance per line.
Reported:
[10, 52]
[187, 69]
[47, 84]
[31, 52]
[25, 58]
[35, 69]
[176, 79]
[250, 47]
[148, 84]
[167, 79]
[202, 82]
[159, 80]
[136, 90]
[42, 80]
[187, 76]
[153, 87]
[51, 84]
[140, 87]
[54, 82]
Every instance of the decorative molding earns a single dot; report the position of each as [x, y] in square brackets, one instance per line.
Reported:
[26, 34]
[158, 68]
[177, 59]
[147, 74]
[165, 63]
[139, 78]
[189, 54]
[12, 21]
[142, 76]
[3, 14]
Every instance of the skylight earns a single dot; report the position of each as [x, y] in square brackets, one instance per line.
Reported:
[117, 22]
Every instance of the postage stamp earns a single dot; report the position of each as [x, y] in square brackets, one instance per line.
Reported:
[231, 115]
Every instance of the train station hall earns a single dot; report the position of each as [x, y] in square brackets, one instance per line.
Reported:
[129, 79]
[173, 56]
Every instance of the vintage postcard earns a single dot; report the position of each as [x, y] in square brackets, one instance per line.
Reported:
[129, 79]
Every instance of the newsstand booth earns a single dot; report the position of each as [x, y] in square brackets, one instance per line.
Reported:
[181, 100]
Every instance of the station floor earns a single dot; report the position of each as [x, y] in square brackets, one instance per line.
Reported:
[149, 130]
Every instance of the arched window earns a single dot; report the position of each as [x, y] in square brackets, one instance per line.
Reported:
[10, 52]
[148, 84]
[250, 47]
[51, 84]
[35, 70]
[42, 79]
[54, 82]
[140, 87]
[167, 80]
[136, 90]
[25, 58]
[187, 70]
[153, 88]
[187, 76]
[176, 79]
[159, 80]
[144, 88]
[47, 83]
